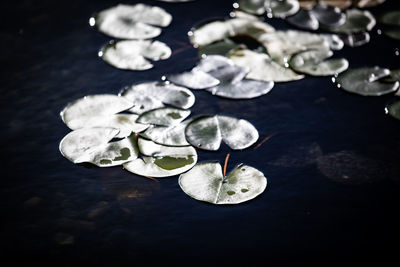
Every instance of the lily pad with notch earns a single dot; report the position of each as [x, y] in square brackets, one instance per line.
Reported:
[356, 21]
[163, 116]
[173, 135]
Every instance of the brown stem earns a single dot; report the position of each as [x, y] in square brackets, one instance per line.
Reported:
[226, 163]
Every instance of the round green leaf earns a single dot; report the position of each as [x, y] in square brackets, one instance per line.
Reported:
[133, 54]
[366, 81]
[281, 8]
[163, 116]
[393, 109]
[313, 63]
[152, 95]
[304, 19]
[168, 135]
[208, 132]
[162, 161]
[327, 15]
[194, 79]
[356, 21]
[205, 182]
[132, 21]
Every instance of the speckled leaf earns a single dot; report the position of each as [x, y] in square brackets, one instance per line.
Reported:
[194, 79]
[132, 21]
[163, 116]
[313, 63]
[133, 54]
[252, 6]
[151, 95]
[304, 19]
[92, 145]
[162, 161]
[208, 132]
[281, 8]
[262, 67]
[393, 109]
[75, 114]
[366, 81]
[328, 16]
[205, 182]
[168, 135]
[356, 21]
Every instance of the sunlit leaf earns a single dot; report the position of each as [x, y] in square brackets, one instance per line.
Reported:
[281, 8]
[194, 79]
[132, 21]
[134, 54]
[208, 132]
[92, 145]
[327, 15]
[356, 21]
[262, 67]
[206, 182]
[252, 6]
[394, 76]
[314, 63]
[152, 95]
[163, 116]
[334, 41]
[393, 109]
[168, 135]
[366, 81]
[161, 161]
[367, 3]
[304, 19]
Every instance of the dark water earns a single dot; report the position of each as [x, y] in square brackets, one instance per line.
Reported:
[332, 167]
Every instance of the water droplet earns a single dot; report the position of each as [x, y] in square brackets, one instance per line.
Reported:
[163, 78]
[333, 79]
[378, 31]
[203, 56]
[92, 22]
[386, 110]
[371, 77]
[397, 52]
[190, 33]
[235, 5]
[232, 14]
[100, 53]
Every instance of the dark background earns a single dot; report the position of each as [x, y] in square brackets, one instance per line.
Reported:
[56, 213]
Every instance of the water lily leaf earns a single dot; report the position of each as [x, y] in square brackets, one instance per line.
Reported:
[162, 161]
[391, 18]
[356, 39]
[252, 6]
[229, 74]
[281, 45]
[132, 21]
[367, 3]
[221, 29]
[168, 135]
[313, 63]
[208, 132]
[194, 79]
[206, 182]
[218, 48]
[304, 19]
[152, 95]
[356, 21]
[334, 41]
[213, 62]
[76, 114]
[328, 16]
[281, 8]
[163, 116]
[394, 76]
[133, 54]
[262, 67]
[366, 81]
[393, 109]
[392, 32]
[92, 145]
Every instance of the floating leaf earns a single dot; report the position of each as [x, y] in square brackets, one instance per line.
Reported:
[393, 109]
[356, 39]
[252, 6]
[163, 116]
[152, 95]
[162, 161]
[220, 29]
[206, 182]
[281, 8]
[92, 145]
[366, 81]
[304, 19]
[213, 62]
[218, 48]
[334, 41]
[168, 135]
[194, 79]
[392, 32]
[356, 21]
[132, 21]
[313, 63]
[262, 67]
[367, 3]
[394, 76]
[208, 132]
[328, 16]
[391, 18]
[133, 54]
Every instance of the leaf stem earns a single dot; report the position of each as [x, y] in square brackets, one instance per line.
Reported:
[226, 163]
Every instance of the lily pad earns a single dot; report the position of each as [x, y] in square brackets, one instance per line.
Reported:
[161, 161]
[152, 95]
[208, 132]
[163, 116]
[356, 21]
[206, 182]
[304, 19]
[367, 3]
[281, 8]
[92, 145]
[252, 6]
[194, 79]
[394, 76]
[262, 67]
[134, 54]
[85, 111]
[132, 21]
[393, 109]
[218, 48]
[334, 41]
[168, 135]
[314, 63]
[328, 16]
[392, 32]
[391, 18]
[366, 81]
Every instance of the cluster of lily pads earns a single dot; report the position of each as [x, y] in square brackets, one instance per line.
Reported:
[134, 25]
[146, 130]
